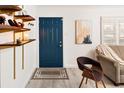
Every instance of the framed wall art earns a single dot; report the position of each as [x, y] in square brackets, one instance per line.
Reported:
[83, 32]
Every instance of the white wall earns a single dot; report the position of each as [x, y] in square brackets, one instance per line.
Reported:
[6, 58]
[70, 14]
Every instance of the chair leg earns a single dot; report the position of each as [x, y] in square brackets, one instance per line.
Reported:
[96, 84]
[103, 83]
[81, 82]
[86, 80]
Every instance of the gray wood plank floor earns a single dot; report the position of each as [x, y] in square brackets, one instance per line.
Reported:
[73, 82]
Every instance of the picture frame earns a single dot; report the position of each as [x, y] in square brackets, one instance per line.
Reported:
[83, 33]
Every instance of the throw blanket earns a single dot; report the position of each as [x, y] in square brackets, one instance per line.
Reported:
[108, 52]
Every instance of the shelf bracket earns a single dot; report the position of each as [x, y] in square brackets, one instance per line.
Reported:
[14, 58]
[22, 56]
[14, 63]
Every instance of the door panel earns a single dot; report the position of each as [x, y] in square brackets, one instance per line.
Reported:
[50, 42]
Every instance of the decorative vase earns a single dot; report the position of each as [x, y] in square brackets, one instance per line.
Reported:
[18, 41]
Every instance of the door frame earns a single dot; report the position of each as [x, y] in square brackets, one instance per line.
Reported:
[62, 39]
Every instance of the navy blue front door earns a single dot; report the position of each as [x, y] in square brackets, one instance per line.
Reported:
[50, 42]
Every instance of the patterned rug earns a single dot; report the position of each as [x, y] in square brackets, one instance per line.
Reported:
[50, 73]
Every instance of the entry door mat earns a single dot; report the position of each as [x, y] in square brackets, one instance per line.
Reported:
[50, 73]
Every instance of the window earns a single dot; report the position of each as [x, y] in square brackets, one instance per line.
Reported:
[112, 30]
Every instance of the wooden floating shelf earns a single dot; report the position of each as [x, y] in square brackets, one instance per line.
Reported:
[13, 44]
[7, 28]
[25, 18]
[9, 8]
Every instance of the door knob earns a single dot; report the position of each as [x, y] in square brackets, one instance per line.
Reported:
[60, 45]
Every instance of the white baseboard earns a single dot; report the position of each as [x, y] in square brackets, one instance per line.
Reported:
[30, 77]
[70, 66]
